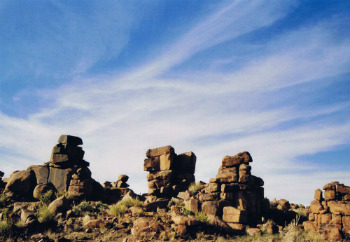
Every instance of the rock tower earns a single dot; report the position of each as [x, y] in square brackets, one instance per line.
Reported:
[169, 173]
[330, 211]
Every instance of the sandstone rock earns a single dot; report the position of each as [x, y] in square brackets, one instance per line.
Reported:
[60, 178]
[145, 225]
[70, 140]
[236, 226]
[326, 218]
[318, 195]
[219, 223]
[123, 178]
[253, 231]
[152, 164]
[166, 161]
[233, 187]
[234, 215]
[192, 205]
[227, 175]
[184, 195]
[42, 189]
[243, 157]
[208, 196]
[346, 224]
[330, 232]
[185, 163]
[329, 195]
[41, 173]
[211, 208]
[136, 211]
[27, 217]
[93, 223]
[21, 184]
[244, 176]
[309, 226]
[336, 219]
[60, 205]
[159, 151]
[343, 190]
[212, 187]
[339, 208]
[315, 207]
[330, 186]
[283, 205]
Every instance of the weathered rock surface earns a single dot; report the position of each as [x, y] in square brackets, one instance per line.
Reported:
[330, 211]
[21, 185]
[169, 173]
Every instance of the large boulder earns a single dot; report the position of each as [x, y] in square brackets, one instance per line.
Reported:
[41, 189]
[21, 185]
[60, 205]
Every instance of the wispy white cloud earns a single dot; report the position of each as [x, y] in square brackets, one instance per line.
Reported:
[121, 115]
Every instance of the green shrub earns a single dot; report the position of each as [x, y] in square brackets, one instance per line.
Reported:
[4, 214]
[45, 215]
[62, 193]
[83, 208]
[187, 212]
[100, 206]
[202, 217]
[194, 188]
[5, 227]
[46, 198]
[117, 210]
[3, 200]
[129, 202]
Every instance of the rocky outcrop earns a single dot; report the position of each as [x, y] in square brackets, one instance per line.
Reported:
[66, 171]
[330, 211]
[234, 195]
[169, 173]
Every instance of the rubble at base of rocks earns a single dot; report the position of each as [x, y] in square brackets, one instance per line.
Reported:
[330, 211]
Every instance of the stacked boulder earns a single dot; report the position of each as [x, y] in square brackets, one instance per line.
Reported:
[234, 195]
[169, 173]
[66, 171]
[115, 190]
[330, 211]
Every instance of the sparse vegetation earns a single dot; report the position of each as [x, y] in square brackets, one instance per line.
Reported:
[131, 202]
[3, 200]
[83, 208]
[117, 210]
[45, 215]
[46, 198]
[5, 227]
[202, 217]
[187, 212]
[194, 188]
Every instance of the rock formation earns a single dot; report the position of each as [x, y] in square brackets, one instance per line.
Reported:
[234, 195]
[66, 171]
[169, 173]
[330, 211]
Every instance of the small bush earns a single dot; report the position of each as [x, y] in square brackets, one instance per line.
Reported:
[131, 202]
[100, 206]
[194, 188]
[4, 214]
[46, 198]
[3, 200]
[83, 208]
[20, 224]
[187, 212]
[5, 227]
[117, 210]
[202, 217]
[62, 193]
[45, 215]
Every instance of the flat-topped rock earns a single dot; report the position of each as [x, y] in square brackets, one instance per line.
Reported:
[70, 140]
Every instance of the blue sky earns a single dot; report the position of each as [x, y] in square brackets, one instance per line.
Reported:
[212, 77]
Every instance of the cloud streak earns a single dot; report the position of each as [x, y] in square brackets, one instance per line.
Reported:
[214, 113]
